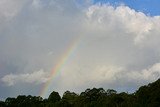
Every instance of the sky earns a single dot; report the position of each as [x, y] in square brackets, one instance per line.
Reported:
[61, 45]
[149, 7]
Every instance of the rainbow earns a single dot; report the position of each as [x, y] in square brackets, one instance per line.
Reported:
[57, 68]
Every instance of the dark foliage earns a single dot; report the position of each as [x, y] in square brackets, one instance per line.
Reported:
[145, 96]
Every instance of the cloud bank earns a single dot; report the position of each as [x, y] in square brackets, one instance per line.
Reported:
[36, 77]
[118, 47]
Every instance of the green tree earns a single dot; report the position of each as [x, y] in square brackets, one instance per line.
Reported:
[111, 91]
[10, 102]
[54, 97]
[2, 104]
[70, 97]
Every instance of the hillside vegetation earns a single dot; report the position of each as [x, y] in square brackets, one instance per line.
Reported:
[145, 96]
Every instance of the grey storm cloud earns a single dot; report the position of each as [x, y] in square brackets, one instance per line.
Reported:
[118, 46]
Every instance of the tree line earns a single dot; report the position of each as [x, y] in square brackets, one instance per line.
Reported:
[145, 96]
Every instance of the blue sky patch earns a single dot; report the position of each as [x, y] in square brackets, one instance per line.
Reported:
[149, 7]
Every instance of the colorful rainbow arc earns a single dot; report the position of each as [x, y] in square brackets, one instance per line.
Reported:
[57, 68]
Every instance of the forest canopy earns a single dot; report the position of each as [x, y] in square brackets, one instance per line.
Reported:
[145, 96]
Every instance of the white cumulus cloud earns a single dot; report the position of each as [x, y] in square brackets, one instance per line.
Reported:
[36, 77]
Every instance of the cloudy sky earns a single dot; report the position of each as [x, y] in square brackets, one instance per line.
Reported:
[116, 45]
